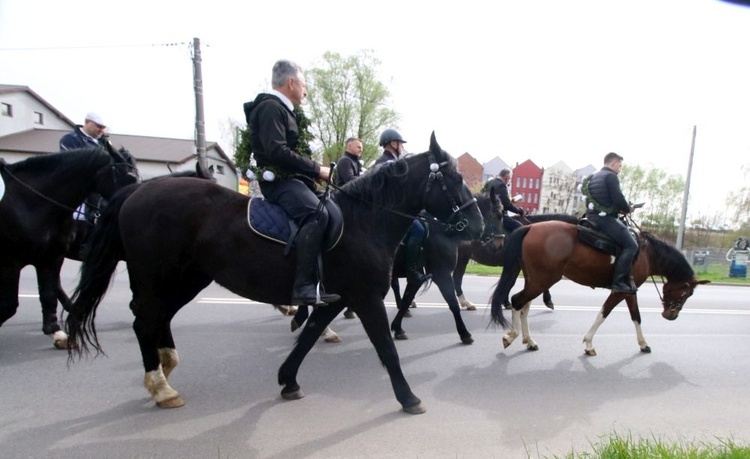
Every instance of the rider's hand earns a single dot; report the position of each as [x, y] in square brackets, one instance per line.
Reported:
[521, 212]
[324, 174]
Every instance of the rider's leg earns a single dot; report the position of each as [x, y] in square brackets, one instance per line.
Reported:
[414, 266]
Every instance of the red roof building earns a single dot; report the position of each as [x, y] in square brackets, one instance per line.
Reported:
[471, 170]
[527, 181]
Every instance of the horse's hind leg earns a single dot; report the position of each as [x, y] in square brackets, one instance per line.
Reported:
[635, 316]
[607, 307]
[403, 309]
[319, 320]
[48, 281]
[523, 313]
[458, 278]
[547, 298]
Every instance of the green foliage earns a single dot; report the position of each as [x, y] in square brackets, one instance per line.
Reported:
[346, 99]
[739, 201]
[662, 194]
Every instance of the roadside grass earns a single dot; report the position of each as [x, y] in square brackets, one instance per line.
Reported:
[716, 273]
[616, 446]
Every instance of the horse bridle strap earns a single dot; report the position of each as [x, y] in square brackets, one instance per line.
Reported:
[435, 174]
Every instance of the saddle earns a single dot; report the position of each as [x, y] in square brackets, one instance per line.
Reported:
[589, 233]
[272, 222]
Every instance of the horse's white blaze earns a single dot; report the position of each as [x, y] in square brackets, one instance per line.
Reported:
[169, 360]
[589, 337]
[157, 385]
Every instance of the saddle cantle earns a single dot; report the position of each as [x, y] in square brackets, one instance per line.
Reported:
[590, 234]
[272, 222]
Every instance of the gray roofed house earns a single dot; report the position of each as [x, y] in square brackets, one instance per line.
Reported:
[493, 167]
[30, 126]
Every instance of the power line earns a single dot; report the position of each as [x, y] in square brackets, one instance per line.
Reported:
[58, 48]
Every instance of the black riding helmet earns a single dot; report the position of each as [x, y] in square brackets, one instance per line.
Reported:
[389, 135]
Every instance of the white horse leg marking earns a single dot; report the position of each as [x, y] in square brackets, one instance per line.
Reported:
[59, 339]
[515, 324]
[160, 390]
[527, 339]
[641, 339]
[466, 304]
[330, 336]
[589, 338]
[169, 360]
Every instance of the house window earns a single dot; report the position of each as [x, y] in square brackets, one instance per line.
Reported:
[7, 109]
[38, 118]
[220, 169]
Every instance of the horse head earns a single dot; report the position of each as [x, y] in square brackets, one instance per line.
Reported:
[447, 197]
[120, 172]
[675, 296]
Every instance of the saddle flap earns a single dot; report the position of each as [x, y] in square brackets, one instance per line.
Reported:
[589, 234]
[272, 222]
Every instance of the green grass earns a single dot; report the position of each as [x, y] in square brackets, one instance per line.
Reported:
[618, 447]
[717, 273]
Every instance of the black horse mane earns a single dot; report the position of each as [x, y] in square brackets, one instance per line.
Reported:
[536, 218]
[56, 161]
[668, 259]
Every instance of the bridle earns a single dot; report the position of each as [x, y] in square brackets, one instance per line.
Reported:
[456, 222]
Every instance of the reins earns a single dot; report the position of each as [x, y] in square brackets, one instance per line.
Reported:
[435, 174]
[33, 190]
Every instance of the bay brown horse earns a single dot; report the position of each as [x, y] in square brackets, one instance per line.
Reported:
[547, 251]
[36, 220]
[177, 236]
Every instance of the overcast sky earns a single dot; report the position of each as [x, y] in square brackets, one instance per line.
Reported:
[545, 80]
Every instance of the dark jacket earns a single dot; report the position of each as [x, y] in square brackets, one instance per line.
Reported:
[501, 191]
[385, 157]
[347, 168]
[273, 138]
[78, 139]
[604, 188]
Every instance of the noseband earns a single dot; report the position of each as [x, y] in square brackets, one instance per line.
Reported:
[461, 222]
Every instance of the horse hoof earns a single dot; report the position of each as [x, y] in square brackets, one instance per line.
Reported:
[413, 304]
[349, 314]
[63, 344]
[415, 409]
[292, 395]
[590, 352]
[174, 402]
[506, 343]
[467, 340]
[407, 313]
[646, 350]
[294, 325]
[532, 348]
[333, 339]
[400, 335]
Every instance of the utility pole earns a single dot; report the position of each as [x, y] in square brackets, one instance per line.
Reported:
[683, 213]
[200, 124]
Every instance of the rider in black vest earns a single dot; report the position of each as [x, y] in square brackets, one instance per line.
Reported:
[500, 185]
[605, 203]
[288, 177]
[392, 144]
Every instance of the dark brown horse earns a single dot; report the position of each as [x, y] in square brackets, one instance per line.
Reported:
[550, 250]
[177, 236]
[37, 225]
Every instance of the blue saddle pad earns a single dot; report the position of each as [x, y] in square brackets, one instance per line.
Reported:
[272, 222]
[269, 220]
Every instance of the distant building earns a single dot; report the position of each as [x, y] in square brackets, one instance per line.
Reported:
[471, 170]
[559, 190]
[527, 181]
[492, 168]
[30, 126]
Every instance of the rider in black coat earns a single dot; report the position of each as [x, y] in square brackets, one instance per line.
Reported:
[500, 185]
[605, 203]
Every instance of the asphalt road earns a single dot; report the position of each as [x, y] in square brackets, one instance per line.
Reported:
[482, 401]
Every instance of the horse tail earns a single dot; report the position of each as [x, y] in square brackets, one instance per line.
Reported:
[512, 251]
[99, 264]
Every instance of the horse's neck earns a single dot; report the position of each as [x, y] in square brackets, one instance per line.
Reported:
[61, 188]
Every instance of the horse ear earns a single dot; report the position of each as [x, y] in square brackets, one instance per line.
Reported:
[434, 147]
[695, 282]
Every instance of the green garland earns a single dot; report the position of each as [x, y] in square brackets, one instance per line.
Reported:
[611, 211]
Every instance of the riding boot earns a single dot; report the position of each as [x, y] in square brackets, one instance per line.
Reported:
[414, 267]
[622, 281]
[307, 288]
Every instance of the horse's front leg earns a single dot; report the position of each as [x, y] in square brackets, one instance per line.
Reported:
[458, 279]
[609, 304]
[403, 304]
[515, 325]
[319, 319]
[444, 282]
[48, 281]
[375, 321]
[523, 314]
[635, 316]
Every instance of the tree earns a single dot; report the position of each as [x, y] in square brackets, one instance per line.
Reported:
[346, 99]
[739, 201]
[662, 194]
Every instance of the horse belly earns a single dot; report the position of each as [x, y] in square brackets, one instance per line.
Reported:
[588, 266]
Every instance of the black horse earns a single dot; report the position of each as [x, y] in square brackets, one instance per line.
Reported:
[178, 236]
[446, 259]
[36, 211]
